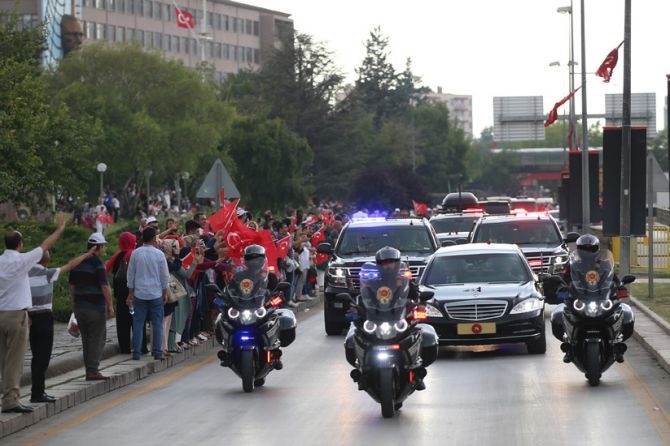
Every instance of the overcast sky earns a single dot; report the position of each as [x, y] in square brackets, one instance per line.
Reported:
[488, 48]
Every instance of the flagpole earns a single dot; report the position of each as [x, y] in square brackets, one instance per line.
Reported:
[571, 63]
[624, 260]
[586, 208]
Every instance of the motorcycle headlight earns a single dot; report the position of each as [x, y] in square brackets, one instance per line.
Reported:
[233, 313]
[385, 329]
[261, 312]
[578, 305]
[400, 326]
[337, 276]
[369, 327]
[246, 316]
[592, 307]
[527, 306]
[606, 305]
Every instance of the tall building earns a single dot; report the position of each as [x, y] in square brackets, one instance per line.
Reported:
[460, 108]
[234, 35]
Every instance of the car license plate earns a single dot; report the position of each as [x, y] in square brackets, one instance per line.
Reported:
[338, 305]
[476, 328]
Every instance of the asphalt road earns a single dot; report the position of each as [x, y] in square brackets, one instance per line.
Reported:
[480, 395]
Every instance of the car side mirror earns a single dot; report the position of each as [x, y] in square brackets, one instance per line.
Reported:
[283, 286]
[628, 279]
[572, 237]
[425, 296]
[324, 248]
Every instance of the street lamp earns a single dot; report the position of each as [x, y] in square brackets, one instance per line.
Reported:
[102, 167]
[571, 70]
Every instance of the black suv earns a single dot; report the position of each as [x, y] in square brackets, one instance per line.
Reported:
[454, 226]
[536, 233]
[358, 243]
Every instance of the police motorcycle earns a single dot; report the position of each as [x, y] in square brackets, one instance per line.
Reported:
[593, 323]
[386, 345]
[250, 326]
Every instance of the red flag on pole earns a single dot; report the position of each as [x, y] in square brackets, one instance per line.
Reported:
[264, 238]
[221, 219]
[420, 208]
[282, 246]
[553, 114]
[607, 67]
[184, 18]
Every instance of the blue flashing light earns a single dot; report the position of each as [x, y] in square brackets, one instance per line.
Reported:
[369, 219]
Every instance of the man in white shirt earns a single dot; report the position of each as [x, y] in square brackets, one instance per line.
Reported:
[15, 299]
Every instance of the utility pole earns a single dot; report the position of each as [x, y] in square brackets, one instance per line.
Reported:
[624, 261]
[586, 205]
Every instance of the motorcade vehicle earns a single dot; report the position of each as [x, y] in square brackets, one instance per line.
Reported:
[357, 244]
[455, 226]
[484, 294]
[251, 327]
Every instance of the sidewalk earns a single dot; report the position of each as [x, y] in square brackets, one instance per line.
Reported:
[66, 375]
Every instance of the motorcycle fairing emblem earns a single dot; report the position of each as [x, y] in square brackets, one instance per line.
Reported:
[246, 286]
[592, 278]
[384, 295]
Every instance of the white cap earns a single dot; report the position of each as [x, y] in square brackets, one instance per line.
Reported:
[97, 239]
[152, 219]
[241, 212]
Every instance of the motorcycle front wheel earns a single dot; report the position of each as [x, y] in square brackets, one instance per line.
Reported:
[247, 370]
[592, 363]
[387, 392]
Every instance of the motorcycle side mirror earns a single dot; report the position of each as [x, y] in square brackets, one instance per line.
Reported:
[213, 287]
[628, 279]
[324, 248]
[425, 296]
[283, 286]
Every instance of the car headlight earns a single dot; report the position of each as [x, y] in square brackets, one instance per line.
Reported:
[559, 260]
[431, 311]
[527, 306]
[337, 276]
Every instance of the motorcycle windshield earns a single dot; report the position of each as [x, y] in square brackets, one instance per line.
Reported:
[247, 288]
[592, 273]
[384, 293]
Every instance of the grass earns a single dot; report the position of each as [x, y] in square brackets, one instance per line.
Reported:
[660, 304]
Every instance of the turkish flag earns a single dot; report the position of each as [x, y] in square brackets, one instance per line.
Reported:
[420, 208]
[318, 237]
[188, 260]
[238, 237]
[221, 219]
[553, 114]
[282, 246]
[264, 238]
[184, 18]
[607, 67]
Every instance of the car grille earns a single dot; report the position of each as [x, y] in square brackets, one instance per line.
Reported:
[476, 311]
[355, 281]
[534, 262]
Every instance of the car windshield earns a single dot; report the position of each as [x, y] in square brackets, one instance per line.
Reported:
[455, 224]
[476, 268]
[367, 241]
[519, 232]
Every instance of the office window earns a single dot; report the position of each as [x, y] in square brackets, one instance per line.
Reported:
[139, 36]
[176, 44]
[110, 33]
[158, 10]
[249, 27]
[217, 21]
[194, 46]
[139, 8]
[166, 46]
[130, 6]
[236, 53]
[210, 19]
[225, 22]
[89, 29]
[120, 34]
[148, 39]
[158, 39]
[110, 5]
[257, 27]
[99, 32]
[234, 24]
[217, 50]
[120, 6]
[184, 44]
[100, 4]
[148, 8]
[226, 51]
[167, 12]
[257, 56]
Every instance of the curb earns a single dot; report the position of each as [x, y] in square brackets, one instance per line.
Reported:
[661, 324]
[70, 388]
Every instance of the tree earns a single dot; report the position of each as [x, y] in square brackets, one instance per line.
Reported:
[155, 114]
[271, 162]
[387, 187]
[659, 147]
[43, 144]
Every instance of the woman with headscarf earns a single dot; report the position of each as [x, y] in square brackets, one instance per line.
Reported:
[118, 266]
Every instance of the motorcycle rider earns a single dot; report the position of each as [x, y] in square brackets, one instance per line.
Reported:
[389, 261]
[588, 244]
[255, 269]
